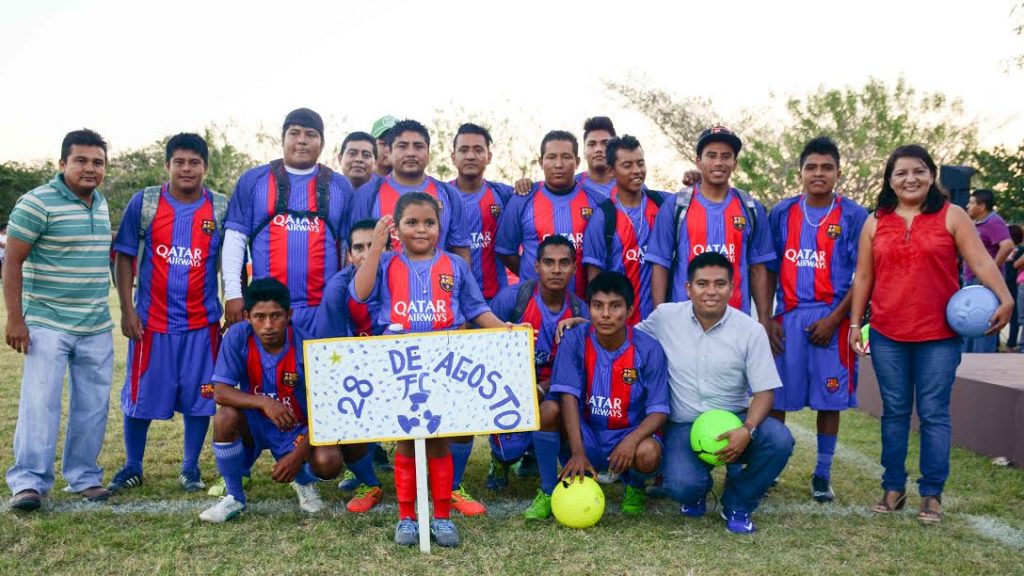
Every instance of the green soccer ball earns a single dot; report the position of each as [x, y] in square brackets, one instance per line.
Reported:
[705, 431]
[578, 504]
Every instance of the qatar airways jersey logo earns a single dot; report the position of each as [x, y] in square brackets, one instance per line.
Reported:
[297, 223]
[479, 240]
[604, 406]
[727, 250]
[636, 254]
[421, 311]
[575, 237]
[806, 258]
[180, 255]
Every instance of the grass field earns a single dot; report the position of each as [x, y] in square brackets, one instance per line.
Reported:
[155, 529]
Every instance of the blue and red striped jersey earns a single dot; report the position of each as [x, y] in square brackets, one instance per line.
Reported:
[424, 295]
[723, 227]
[339, 315]
[601, 190]
[178, 288]
[616, 389]
[300, 251]
[244, 363]
[817, 250]
[633, 227]
[530, 219]
[373, 201]
[543, 320]
[481, 211]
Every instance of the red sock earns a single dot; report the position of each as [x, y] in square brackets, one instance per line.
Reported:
[405, 486]
[441, 473]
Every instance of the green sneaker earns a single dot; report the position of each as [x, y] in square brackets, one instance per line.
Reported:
[219, 489]
[634, 501]
[541, 507]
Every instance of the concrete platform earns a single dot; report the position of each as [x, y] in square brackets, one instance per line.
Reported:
[987, 407]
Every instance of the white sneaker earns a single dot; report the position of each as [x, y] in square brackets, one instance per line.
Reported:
[607, 477]
[309, 497]
[225, 509]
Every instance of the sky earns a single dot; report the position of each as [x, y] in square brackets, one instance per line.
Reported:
[137, 71]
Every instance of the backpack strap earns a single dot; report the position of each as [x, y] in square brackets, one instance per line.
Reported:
[150, 203]
[682, 204]
[655, 196]
[323, 198]
[610, 220]
[523, 299]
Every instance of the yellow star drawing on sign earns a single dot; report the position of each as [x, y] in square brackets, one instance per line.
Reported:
[335, 357]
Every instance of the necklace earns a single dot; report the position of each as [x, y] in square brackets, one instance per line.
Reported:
[803, 206]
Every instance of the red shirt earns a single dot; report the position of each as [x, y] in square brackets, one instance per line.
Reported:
[915, 276]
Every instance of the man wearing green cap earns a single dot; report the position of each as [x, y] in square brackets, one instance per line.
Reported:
[381, 130]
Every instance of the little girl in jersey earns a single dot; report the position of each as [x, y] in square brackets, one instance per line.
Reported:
[420, 289]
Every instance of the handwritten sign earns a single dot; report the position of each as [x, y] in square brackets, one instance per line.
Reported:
[387, 388]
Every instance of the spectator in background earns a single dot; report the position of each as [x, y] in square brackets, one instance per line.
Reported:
[1014, 269]
[995, 237]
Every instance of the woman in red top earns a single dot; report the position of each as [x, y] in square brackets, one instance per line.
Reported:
[909, 252]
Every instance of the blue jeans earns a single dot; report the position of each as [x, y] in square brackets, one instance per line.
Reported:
[50, 354]
[688, 478]
[921, 372]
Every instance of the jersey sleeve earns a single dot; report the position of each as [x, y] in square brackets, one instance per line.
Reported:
[504, 303]
[341, 199]
[655, 374]
[775, 229]
[660, 248]
[230, 365]
[377, 283]
[510, 226]
[595, 250]
[568, 372]
[504, 191]
[858, 217]
[761, 248]
[331, 320]
[359, 208]
[458, 236]
[127, 240]
[471, 300]
[239, 217]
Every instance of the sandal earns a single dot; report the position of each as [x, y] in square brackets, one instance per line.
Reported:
[931, 510]
[891, 501]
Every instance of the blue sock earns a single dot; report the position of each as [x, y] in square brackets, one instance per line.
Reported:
[195, 437]
[231, 457]
[460, 457]
[547, 445]
[135, 431]
[826, 449]
[305, 476]
[363, 468]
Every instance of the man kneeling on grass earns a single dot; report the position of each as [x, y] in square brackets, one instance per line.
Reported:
[260, 389]
[613, 384]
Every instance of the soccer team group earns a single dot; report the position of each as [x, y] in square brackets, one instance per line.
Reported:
[593, 261]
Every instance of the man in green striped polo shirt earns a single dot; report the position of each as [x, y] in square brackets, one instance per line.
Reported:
[56, 290]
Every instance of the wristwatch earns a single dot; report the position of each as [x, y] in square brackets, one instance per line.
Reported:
[751, 429]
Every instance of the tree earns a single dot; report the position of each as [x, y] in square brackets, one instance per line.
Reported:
[16, 179]
[867, 124]
[1002, 170]
[514, 157]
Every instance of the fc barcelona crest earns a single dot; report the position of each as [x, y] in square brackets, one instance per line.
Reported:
[629, 375]
[206, 391]
[832, 385]
[290, 378]
[209, 227]
[739, 222]
[447, 282]
[495, 210]
[833, 231]
[586, 212]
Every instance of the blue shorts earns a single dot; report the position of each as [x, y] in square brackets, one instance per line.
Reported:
[267, 436]
[599, 450]
[510, 446]
[304, 322]
[819, 377]
[166, 373]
